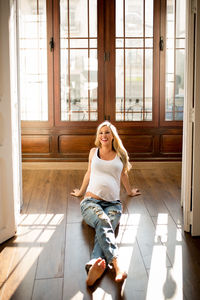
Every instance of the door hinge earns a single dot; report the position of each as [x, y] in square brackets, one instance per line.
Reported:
[194, 6]
[106, 56]
[161, 43]
[191, 115]
[51, 44]
[190, 217]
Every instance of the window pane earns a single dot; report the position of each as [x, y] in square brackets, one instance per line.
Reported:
[93, 43]
[179, 84]
[148, 18]
[33, 60]
[134, 18]
[180, 20]
[135, 47]
[134, 43]
[79, 82]
[134, 76]
[63, 19]
[93, 84]
[119, 117]
[180, 43]
[78, 18]
[119, 43]
[119, 81]
[149, 43]
[93, 18]
[175, 58]
[119, 18]
[134, 85]
[148, 82]
[79, 43]
[64, 85]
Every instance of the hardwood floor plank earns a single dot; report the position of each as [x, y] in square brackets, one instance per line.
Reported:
[173, 175]
[19, 283]
[73, 209]
[40, 195]
[48, 289]
[185, 260]
[6, 257]
[144, 226]
[151, 197]
[26, 245]
[51, 260]
[170, 194]
[28, 184]
[131, 260]
[76, 256]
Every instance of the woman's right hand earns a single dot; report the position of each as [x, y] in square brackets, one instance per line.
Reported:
[76, 193]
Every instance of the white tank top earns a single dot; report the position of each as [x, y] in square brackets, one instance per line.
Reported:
[105, 177]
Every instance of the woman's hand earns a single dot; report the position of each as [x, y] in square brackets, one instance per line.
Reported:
[134, 192]
[76, 193]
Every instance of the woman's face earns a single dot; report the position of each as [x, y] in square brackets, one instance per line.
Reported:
[105, 135]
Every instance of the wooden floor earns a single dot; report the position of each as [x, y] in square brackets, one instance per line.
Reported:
[46, 258]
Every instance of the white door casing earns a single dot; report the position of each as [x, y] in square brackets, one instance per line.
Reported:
[196, 134]
[10, 165]
[188, 118]
[190, 189]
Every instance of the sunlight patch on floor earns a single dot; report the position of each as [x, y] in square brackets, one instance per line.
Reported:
[165, 282]
[127, 237]
[100, 294]
[33, 234]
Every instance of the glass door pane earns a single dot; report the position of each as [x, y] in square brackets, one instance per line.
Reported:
[78, 45]
[175, 58]
[134, 60]
[33, 60]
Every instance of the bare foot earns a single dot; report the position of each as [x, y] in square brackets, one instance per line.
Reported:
[120, 275]
[96, 271]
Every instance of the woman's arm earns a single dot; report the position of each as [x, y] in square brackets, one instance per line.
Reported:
[81, 191]
[125, 181]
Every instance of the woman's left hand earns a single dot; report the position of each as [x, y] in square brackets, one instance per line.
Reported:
[76, 193]
[134, 192]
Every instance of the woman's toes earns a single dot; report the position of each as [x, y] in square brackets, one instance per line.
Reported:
[121, 276]
[96, 271]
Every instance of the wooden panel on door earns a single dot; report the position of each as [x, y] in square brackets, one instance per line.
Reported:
[76, 143]
[138, 144]
[171, 144]
[36, 144]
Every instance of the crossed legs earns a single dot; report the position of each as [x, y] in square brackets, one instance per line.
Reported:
[104, 218]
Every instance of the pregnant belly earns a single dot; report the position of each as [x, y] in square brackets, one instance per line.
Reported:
[89, 194]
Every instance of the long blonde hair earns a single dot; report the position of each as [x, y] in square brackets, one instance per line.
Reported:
[118, 146]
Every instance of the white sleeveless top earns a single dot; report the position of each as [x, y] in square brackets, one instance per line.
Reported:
[105, 177]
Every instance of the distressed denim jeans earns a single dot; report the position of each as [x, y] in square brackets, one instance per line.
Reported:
[104, 217]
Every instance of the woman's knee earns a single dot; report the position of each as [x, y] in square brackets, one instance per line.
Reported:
[93, 214]
[114, 214]
[114, 217]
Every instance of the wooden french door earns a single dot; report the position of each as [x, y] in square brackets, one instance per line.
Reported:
[94, 60]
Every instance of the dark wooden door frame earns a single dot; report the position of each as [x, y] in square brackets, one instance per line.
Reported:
[71, 141]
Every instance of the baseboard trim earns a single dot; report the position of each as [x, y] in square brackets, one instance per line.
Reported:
[83, 165]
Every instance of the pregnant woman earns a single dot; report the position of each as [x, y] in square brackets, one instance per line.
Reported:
[101, 207]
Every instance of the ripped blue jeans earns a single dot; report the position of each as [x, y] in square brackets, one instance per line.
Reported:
[104, 217]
